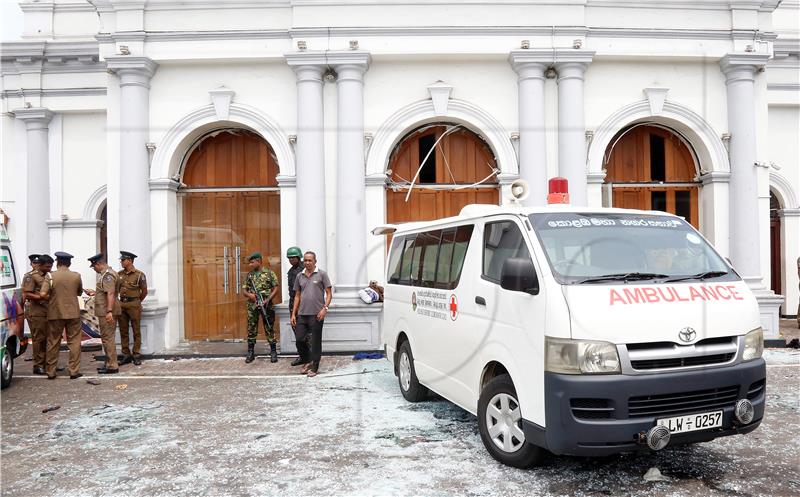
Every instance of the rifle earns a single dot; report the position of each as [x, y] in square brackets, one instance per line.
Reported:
[262, 306]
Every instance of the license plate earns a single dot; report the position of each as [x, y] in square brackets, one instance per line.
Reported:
[692, 422]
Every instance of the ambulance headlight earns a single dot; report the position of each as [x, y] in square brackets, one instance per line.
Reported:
[753, 345]
[580, 356]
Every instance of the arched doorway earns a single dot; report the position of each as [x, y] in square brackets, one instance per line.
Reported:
[231, 208]
[460, 169]
[775, 244]
[651, 168]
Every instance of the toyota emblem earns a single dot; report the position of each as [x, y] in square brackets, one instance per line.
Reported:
[687, 334]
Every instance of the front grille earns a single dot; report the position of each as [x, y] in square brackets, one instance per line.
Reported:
[684, 402]
[591, 408]
[756, 389]
[680, 362]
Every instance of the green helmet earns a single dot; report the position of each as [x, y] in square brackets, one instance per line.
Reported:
[294, 252]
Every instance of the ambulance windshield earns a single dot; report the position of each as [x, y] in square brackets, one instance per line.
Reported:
[607, 248]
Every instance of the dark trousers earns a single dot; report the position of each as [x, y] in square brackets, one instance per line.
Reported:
[308, 334]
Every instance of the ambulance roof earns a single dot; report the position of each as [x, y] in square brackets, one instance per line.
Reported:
[477, 211]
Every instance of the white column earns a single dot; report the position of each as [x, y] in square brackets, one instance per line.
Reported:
[571, 123]
[351, 222]
[310, 153]
[740, 72]
[530, 68]
[134, 168]
[37, 208]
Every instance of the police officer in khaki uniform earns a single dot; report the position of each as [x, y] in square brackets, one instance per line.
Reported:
[107, 310]
[132, 291]
[63, 289]
[36, 311]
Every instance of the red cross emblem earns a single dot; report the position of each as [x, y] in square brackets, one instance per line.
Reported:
[453, 307]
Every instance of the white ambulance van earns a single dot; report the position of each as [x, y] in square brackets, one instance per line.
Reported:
[12, 328]
[572, 330]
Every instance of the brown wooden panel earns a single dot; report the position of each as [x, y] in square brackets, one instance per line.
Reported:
[237, 158]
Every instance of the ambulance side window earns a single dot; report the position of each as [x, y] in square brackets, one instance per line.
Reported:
[430, 254]
[501, 240]
[395, 256]
[405, 265]
[451, 256]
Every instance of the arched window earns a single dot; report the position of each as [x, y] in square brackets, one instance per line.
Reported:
[651, 168]
[449, 166]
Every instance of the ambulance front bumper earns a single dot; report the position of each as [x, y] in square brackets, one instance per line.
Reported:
[601, 415]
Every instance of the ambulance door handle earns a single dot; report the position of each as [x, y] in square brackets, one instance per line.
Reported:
[480, 300]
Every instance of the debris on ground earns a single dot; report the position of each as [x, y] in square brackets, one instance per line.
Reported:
[122, 386]
[93, 382]
[654, 474]
[50, 408]
[794, 343]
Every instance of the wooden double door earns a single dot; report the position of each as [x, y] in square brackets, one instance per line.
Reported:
[220, 230]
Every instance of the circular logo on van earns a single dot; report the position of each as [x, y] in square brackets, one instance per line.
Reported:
[453, 306]
[687, 334]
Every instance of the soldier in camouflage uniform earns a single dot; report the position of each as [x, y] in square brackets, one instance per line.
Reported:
[264, 282]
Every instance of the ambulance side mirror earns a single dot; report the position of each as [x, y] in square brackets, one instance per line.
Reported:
[519, 275]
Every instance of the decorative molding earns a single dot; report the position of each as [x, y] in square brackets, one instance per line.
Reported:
[440, 95]
[792, 87]
[785, 190]
[655, 97]
[55, 92]
[749, 61]
[596, 177]
[221, 98]
[91, 210]
[286, 181]
[376, 180]
[715, 177]
[169, 154]
[34, 117]
[504, 179]
[783, 213]
[458, 111]
[358, 58]
[297, 60]
[74, 223]
[163, 184]
[704, 139]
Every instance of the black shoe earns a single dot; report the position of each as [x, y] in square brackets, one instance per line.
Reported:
[39, 371]
[273, 353]
[297, 362]
[75, 376]
[137, 361]
[107, 371]
[125, 360]
[251, 353]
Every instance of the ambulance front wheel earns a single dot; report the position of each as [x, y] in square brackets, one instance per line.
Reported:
[412, 390]
[500, 424]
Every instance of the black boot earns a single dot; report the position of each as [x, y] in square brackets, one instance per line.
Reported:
[273, 352]
[251, 353]
[298, 361]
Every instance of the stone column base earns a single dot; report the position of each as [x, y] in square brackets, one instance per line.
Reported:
[350, 326]
[769, 305]
[153, 325]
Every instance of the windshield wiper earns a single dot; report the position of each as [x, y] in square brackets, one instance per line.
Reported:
[623, 277]
[699, 276]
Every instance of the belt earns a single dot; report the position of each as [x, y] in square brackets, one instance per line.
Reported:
[128, 299]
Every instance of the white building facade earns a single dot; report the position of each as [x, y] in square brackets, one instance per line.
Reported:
[194, 132]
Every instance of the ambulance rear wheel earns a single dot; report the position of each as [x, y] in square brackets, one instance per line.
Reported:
[7, 370]
[412, 390]
[500, 424]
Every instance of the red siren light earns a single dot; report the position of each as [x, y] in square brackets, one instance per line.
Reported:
[558, 191]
